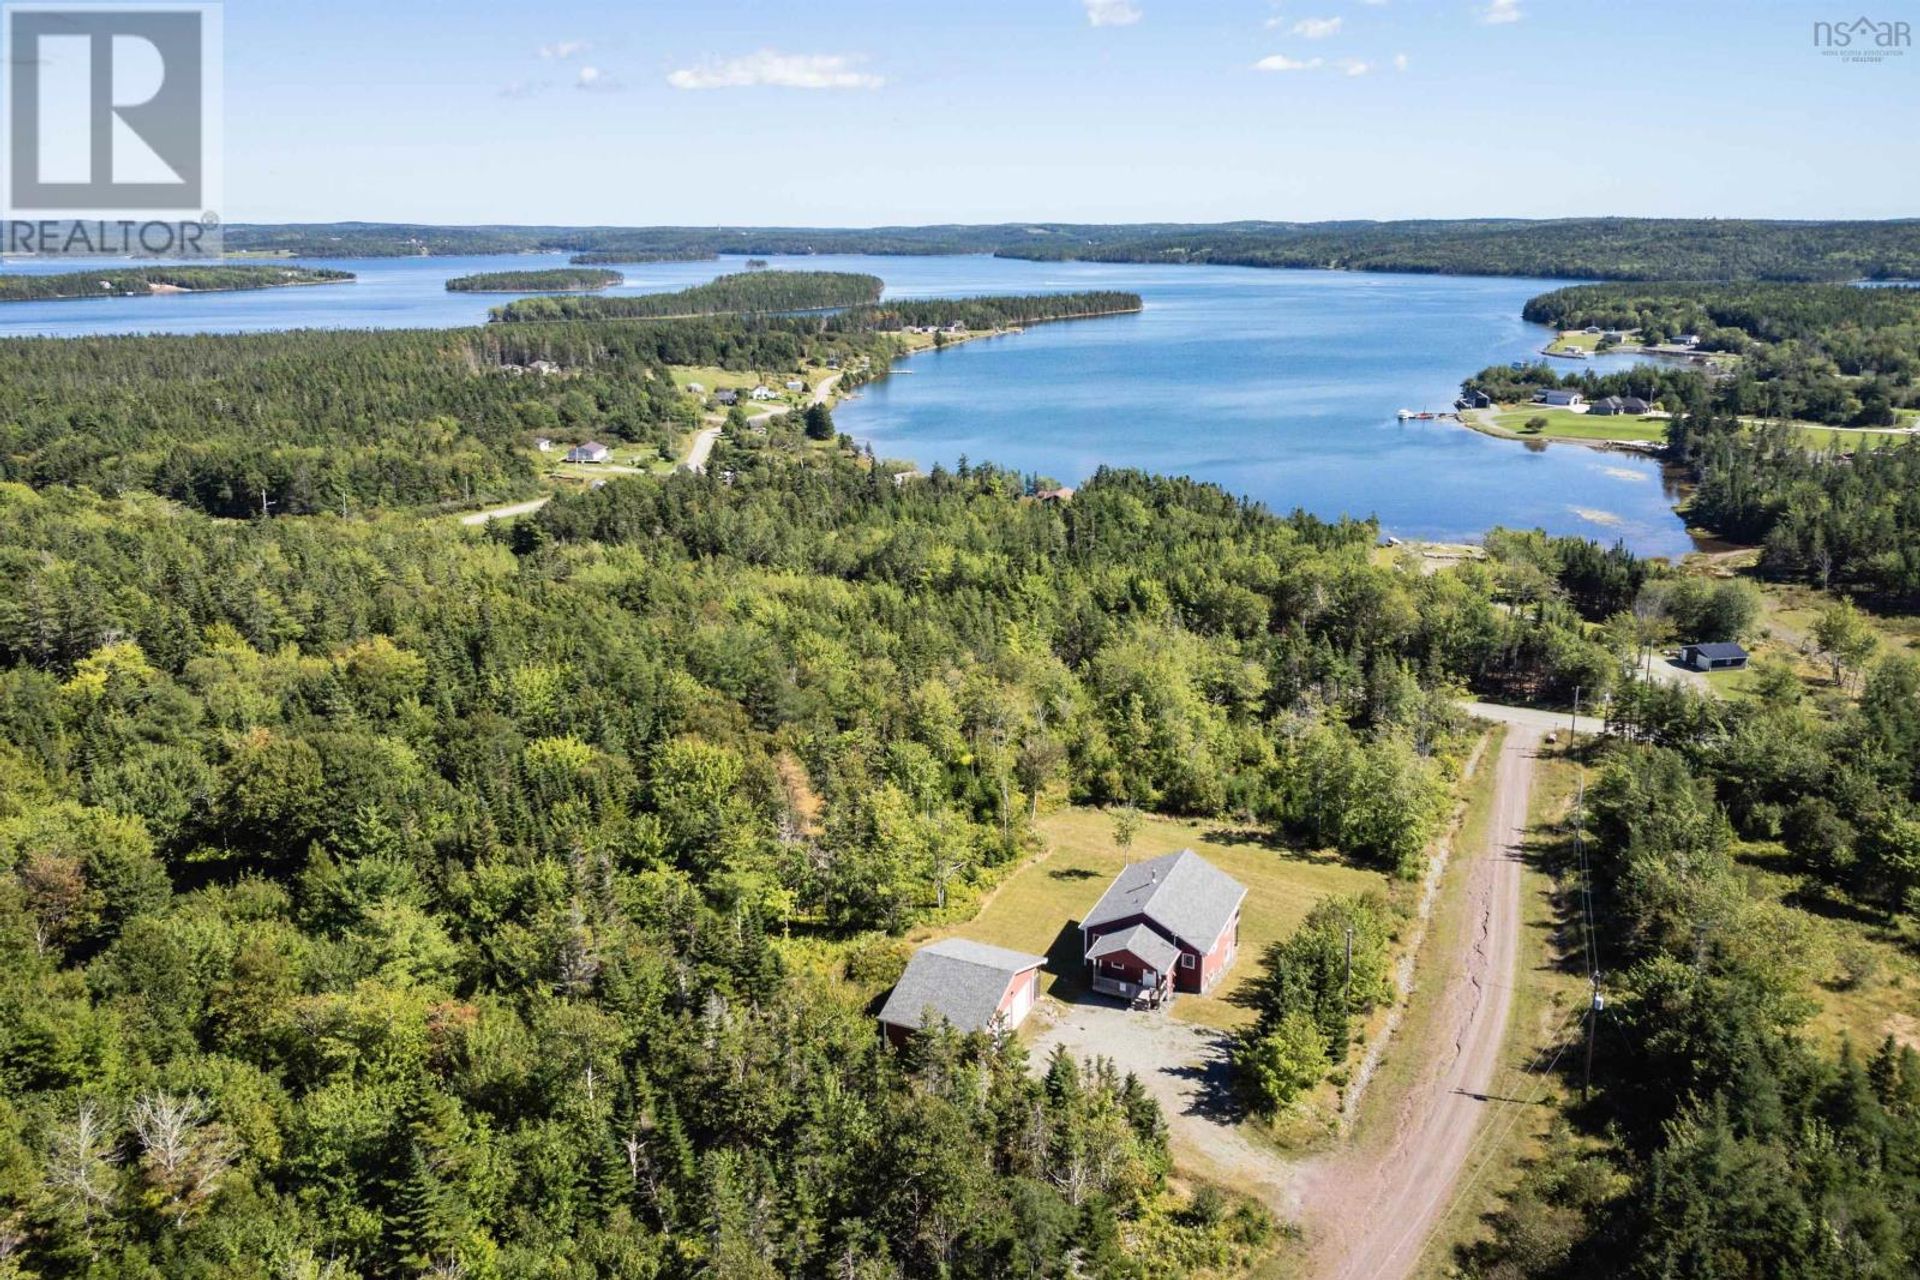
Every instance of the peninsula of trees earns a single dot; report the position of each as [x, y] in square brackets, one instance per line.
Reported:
[744, 292]
[1836, 354]
[552, 280]
[987, 312]
[1592, 248]
[126, 282]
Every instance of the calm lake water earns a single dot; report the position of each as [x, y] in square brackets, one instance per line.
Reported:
[1281, 385]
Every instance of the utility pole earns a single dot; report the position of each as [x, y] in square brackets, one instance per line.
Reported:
[264, 504]
[1346, 991]
[1573, 727]
[1598, 1003]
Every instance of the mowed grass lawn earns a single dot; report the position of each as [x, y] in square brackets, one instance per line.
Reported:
[1564, 424]
[1038, 908]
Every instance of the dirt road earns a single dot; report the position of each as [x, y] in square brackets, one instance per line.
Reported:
[1368, 1213]
[707, 437]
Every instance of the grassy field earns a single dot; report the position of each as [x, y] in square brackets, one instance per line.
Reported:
[1548, 993]
[1867, 982]
[1037, 908]
[1575, 340]
[1564, 424]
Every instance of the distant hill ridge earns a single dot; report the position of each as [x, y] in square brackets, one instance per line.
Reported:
[1596, 248]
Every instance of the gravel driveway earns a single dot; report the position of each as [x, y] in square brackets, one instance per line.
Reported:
[1185, 1068]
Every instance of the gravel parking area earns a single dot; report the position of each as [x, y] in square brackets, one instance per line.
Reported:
[1185, 1068]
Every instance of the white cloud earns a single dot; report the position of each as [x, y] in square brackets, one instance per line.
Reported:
[1317, 28]
[1281, 62]
[780, 70]
[563, 49]
[1499, 12]
[595, 80]
[1112, 13]
[525, 88]
[1399, 62]
[1354, 67]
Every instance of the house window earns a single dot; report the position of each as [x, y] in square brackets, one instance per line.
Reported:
[1118, 966]
[1186, 960]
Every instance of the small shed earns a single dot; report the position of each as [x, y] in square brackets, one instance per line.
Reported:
[1714, 656]
[972, 985]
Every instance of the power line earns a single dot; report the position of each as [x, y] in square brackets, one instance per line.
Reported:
[1460, 1194]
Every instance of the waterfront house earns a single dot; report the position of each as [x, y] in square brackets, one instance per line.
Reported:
[591, 451]
[1474, 400]
[1592, 328]
[1614, 335]
[1558, 398]
[971, 985]
[1169, 924]
[1714, 656]
[1687, 340]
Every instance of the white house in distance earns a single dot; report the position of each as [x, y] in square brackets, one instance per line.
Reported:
[543, 444]
[764, 393]
[591, 451]
[972, 985]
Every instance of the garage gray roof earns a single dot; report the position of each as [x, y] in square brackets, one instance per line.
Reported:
[1139, 940]
[1720, 649]
[1183, 893]
[958, 980]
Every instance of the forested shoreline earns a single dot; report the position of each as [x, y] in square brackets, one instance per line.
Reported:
[118, 282]
[744, 292]
[557, 279]
[1593, 248]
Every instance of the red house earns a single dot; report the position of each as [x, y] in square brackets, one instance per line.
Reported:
[1169, 924]
[972, 985]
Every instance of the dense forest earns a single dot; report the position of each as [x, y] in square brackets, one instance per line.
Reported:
[1824, 518]
[555, 279]
[381, 897]
[985, 312]
[313, 420]
[139, 281]
[1722, 1140]
[1593, 248]
[743, 292]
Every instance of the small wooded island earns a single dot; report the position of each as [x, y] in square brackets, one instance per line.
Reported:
[136, 281]
[552, 280]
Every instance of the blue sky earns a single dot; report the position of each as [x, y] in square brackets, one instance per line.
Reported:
[862, 112]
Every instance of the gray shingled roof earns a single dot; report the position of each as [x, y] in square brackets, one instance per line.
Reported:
[958, 980]
[1141, 941]
[1712, 649]
[1183, 893]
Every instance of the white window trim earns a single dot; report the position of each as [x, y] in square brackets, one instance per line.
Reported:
[1186, 959]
